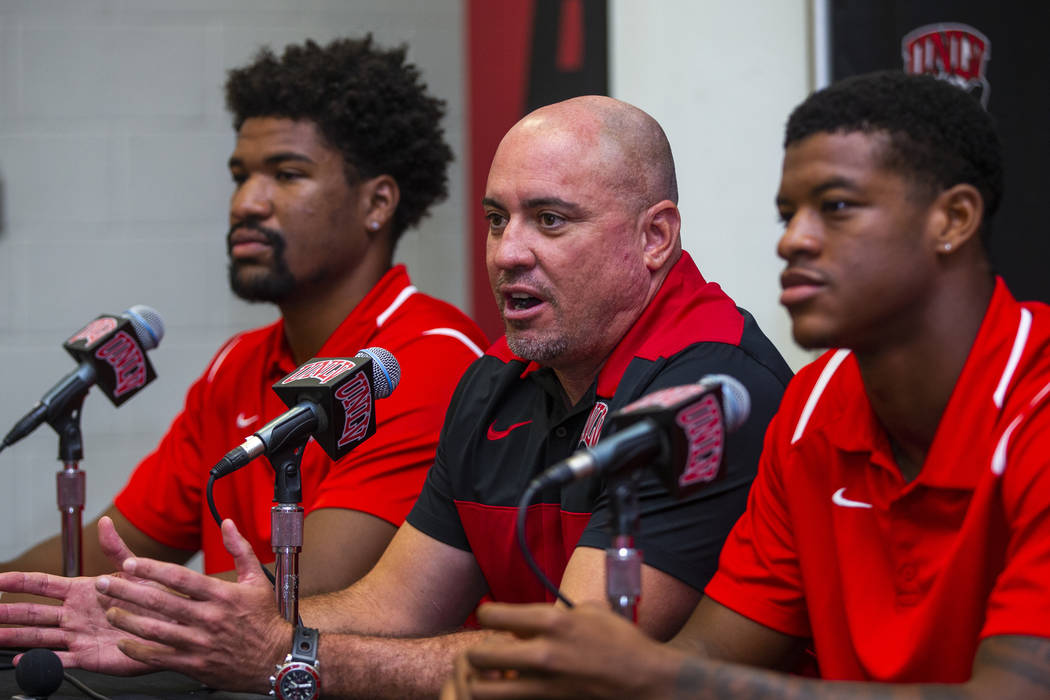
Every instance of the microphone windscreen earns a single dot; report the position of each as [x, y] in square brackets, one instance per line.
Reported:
[736, 401]
[148, 325]
[39, 672]
[386, 372]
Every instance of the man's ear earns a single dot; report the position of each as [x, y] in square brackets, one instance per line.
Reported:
[956, 215]
[379, 198]
[661, 229]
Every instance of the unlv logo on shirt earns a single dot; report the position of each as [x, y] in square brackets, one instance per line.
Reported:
[128, 361]
[356, 399]
[93, 331]
[957, 53]
[595, 421]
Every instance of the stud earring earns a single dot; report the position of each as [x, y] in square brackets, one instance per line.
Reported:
[947, 247]
[373, 225]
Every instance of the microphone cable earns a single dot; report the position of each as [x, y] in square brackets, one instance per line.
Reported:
[218, 521]
[523, 545]
[270, 576]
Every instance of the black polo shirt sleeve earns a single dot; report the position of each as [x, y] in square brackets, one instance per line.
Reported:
[684, 538]
[434, 512]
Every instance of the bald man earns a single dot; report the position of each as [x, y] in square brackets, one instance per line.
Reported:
[601, 305]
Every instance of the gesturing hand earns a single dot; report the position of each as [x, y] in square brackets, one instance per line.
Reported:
[556, 653]
[77, 628]
[228, 635]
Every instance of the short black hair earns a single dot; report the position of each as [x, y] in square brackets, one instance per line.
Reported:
[939, 134]
[367, 102]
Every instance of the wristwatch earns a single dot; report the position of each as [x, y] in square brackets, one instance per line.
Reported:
[298, 678]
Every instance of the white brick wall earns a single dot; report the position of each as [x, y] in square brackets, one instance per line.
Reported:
[113, 192]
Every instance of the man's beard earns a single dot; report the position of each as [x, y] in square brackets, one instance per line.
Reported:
[274, 285]
[541, 350]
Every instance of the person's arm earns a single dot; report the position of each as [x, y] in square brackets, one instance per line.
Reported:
[590, 652]
[1005, 667]
[663, 607]
[72, 620]
[230, 635]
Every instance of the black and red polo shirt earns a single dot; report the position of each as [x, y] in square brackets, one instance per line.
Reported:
[509, 421]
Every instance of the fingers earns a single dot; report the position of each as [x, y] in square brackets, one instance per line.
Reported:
[153, 655]
[28, 637]
[509, 654]
[155, 630]
[471, 683]
[37, 614]
[35, 583]
[174, 576]
[148, 597]
[522, 620]
[115, 549]
[523, 687]
[244, 559]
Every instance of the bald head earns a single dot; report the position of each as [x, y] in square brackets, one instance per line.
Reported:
[628, 148]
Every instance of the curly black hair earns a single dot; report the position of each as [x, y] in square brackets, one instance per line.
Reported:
[939, 135]
[367, 102]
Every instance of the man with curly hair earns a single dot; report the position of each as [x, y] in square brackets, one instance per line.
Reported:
[339, 150]
[899, 524]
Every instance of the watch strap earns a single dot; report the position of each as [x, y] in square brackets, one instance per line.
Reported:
[304, 645]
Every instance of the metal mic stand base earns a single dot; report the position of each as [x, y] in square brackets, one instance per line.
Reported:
[623, 563]
[286, 528]
[70, 486]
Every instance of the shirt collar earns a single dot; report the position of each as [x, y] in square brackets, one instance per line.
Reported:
[970, 416]
[358, 328]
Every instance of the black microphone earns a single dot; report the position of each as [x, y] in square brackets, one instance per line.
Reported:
[679, 431]
[330, 399]
[38, 673]
[111, 352]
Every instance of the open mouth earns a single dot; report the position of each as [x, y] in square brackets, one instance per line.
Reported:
[520, 302]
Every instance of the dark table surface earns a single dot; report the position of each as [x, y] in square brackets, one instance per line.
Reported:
[170, 685]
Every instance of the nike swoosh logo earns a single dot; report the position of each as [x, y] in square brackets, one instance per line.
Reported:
[243, 422]
[839, 499]
[500, 434]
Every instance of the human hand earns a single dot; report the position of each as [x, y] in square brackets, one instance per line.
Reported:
[225, 634]
[75, 622]
[557, 653]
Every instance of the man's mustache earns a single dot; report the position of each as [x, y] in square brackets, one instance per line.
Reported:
[273, 237]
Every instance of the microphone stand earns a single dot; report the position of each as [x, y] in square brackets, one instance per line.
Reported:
[286, 527]
[623, 563]
[70, 485]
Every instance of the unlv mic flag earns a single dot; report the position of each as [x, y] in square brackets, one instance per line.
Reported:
[342, 388]
[110, 344]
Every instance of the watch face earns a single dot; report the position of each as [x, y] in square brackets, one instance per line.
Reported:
[298, 681]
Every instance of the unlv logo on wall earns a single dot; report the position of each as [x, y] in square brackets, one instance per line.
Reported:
[957, 53]
[945, 36]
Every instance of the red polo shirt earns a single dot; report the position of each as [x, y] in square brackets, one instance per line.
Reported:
[899, 581]
[433, 343]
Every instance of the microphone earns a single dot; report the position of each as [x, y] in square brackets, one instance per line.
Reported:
[38, 673]
[329, 399]
[679, 431]
[111, 352]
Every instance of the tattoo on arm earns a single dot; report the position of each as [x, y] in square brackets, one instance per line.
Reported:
[1006, 667]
